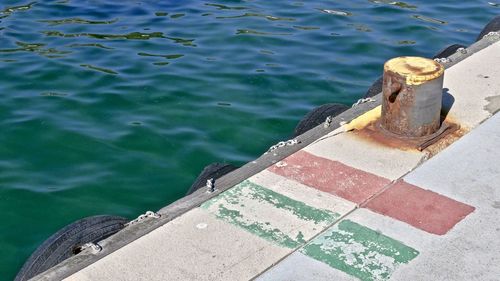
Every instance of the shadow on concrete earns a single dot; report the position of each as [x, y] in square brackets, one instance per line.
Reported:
[447, 103]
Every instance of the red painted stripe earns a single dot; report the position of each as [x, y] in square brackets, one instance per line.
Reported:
[330, 176]
[420, 208]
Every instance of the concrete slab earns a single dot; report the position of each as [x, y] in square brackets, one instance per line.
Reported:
[474, 87]
[468, 171]
[359, 153]
[195, 246]
[299, 267]
[330, 176]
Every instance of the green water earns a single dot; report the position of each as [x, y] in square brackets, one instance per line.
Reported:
[114, 107]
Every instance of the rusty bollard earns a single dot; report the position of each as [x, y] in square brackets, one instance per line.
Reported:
[412, 95]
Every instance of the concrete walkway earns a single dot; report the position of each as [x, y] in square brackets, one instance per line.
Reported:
[440, 222]
[348, 207]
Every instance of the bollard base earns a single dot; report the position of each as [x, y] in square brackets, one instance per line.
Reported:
[376, 133]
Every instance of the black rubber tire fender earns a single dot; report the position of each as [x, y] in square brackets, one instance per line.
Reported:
[375, 88]
[215, 171]
[492, 26]
[318, 116]
[67, 242]
[448, 51]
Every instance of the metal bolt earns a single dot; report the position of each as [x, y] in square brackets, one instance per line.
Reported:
[211, 185]
[412, 95]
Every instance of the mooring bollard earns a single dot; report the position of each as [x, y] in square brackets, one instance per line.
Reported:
[412, 95]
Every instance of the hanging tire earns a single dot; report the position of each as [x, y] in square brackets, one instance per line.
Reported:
[68, 241]
[448, 51]
[492, 26]
[215, 171]
[375, 88]
[318, 116]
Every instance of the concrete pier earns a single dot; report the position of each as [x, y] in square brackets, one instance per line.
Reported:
[337, 206]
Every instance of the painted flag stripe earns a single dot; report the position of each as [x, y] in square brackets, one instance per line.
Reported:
[423, 209]
[359, 251]
[330, 176]
[269, 215]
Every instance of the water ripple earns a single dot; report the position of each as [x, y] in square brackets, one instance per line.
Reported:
[268, 17]
[336, 12]
[429, 19]
[77, 21]
[101, 69]
[395, 3]
[130, 36]
[225, 7]
[255, 32]
[36, 48]
[10, 10]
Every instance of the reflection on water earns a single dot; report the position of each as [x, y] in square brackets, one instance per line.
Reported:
[114, 107]
[132, 35]
[168, 57]
[255, 32]
[268, 17]
[429, 19]
[336, 12]
[38, 48]
[7, 11]
[77, 21]
[102, 69]
[224, 7]
[97, 45]
[395, 3]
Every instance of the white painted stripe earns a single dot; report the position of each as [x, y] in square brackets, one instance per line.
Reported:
[297, 191]
[365, 155]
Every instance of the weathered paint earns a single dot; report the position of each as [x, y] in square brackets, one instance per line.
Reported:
[359, 251]
[411, 97]
[416, 70]
[299, 267]
[330, 176]
[420, 208]
[303, 193]
[364, 120]
[270, 215]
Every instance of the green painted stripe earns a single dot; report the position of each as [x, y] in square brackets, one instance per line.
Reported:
[229, 205]
[359, 251]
